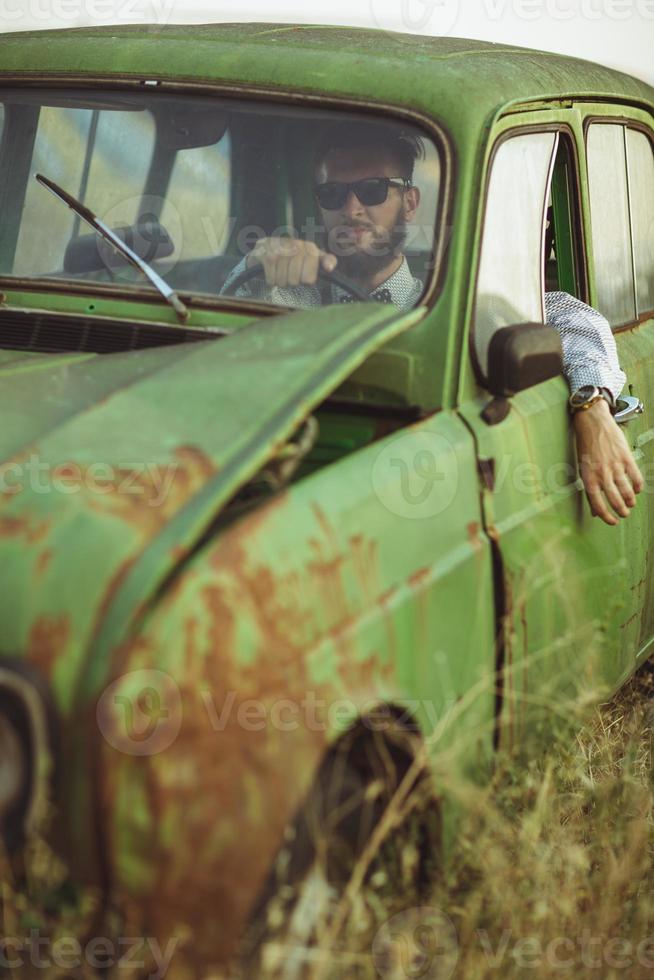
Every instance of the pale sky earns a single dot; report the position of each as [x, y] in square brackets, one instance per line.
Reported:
[616, 32]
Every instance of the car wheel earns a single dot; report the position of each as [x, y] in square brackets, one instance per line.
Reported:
[365, 844]
[27, 738]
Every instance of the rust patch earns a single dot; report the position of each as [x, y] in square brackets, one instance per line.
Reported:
[253, 732]
[420, 577]
[47, 641]
[365, 563]
[148, 499]
[43, 560]
[13, 527]
[473, 529]
[628, 622]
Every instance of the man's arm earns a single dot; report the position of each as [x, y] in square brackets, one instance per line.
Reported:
[606, 464]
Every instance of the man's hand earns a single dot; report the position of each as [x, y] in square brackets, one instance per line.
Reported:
[290, 261]
[607, 467]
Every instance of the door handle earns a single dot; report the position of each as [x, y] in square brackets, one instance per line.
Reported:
[628, 408]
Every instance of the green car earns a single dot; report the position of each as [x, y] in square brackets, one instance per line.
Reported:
[272, 551]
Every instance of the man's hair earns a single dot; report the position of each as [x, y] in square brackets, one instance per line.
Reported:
[404, 147]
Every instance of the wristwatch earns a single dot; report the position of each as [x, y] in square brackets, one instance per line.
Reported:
[587, 395]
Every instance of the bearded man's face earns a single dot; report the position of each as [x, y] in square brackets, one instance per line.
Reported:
[365, 239]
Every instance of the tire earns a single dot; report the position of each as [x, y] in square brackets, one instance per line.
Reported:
[365, 844]
[27, 751]
[14, 778]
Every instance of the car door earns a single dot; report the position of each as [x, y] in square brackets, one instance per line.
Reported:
[568, 596]
[620, 170]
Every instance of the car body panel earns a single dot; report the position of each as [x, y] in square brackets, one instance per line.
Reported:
[476, 595]
[292, 623]
[169, 419]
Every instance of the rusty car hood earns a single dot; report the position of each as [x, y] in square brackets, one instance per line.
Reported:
[112, 467]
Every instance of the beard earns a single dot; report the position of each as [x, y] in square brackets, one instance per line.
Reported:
[361, 262]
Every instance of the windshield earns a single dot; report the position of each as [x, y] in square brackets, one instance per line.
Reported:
[225, 198]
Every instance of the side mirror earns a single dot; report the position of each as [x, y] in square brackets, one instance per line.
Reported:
[521, 356]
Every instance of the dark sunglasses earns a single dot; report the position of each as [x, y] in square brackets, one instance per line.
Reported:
[369, 191]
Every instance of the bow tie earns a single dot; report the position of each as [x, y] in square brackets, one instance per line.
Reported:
[382, 295]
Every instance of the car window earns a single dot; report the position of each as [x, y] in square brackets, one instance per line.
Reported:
[194, 182]
[198, 200]
[640, 164]
[510, 279]
[101, 157]
[563, 260]
[610, 222]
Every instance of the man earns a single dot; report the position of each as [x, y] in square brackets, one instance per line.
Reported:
[363, 182]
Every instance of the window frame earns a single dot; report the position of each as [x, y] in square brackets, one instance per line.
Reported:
[626, 122]
[563, 130]
[433, 127]
[575, 225]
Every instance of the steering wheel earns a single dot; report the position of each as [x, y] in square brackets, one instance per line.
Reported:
[332, 277]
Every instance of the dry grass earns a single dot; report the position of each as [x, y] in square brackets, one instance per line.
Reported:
[552, 874]
[561, 853]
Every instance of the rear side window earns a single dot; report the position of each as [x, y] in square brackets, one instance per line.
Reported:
[621, 185]
[509, 286]
[640, 169]
[198, 201]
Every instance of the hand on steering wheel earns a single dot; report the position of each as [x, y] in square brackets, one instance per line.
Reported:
[334, 277]
[290, 262]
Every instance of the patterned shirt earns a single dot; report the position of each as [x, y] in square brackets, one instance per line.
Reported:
[401, 289]
[590, 355]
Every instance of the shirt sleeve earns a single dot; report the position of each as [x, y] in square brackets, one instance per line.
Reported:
[590, 356]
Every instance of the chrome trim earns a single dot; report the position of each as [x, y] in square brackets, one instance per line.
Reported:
[628, 407]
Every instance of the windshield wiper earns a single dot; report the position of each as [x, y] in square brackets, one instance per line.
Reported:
[110, 236]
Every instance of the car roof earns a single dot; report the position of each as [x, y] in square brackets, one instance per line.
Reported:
[460, 81]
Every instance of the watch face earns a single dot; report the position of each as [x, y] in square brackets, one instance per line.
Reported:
[583, 395]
